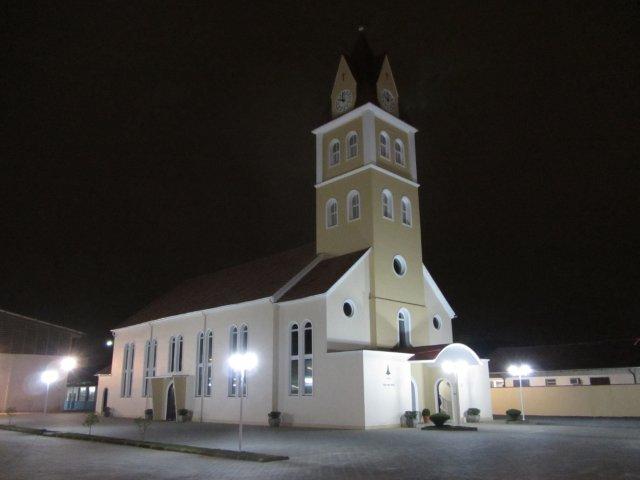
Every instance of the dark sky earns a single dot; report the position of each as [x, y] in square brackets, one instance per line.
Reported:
[146, 144]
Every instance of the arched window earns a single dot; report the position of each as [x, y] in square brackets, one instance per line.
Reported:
[352, 145]
[308, 359]
[384, 145]
[334, 152]
[127, 370]
[353, 205]
[399, 152]
[239, 338]
[332, 212]
[150, 350]
[406, 211]
[172, 355]
[175, 354]
[294, 361]
[199, 363]
[404, 328]
[387, 204]
[208, 385]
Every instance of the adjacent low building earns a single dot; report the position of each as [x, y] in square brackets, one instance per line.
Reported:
[28, 347]
[596, 379]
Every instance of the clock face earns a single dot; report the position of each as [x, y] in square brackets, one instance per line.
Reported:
[387, 99]
[344, 101]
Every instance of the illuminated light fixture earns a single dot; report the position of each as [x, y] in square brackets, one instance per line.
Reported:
[242, 362]
[69, 363]
[522, 370]
[48, 377]
[109, 343]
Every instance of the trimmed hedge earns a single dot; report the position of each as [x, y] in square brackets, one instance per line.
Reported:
[439, 419]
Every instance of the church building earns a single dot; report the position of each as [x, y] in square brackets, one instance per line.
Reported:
[349, 332]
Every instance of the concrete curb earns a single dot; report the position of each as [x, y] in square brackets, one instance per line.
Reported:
[169, 447]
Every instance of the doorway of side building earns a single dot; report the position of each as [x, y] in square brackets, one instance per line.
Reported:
[171, 404]
[444, 402]
[105, 399]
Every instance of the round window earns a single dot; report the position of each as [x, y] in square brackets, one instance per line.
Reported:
[399, 265]
[437, 323]
[349, 308]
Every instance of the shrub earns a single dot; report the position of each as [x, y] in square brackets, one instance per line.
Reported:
[274, 414]
[426, 412]
[439, 419]
[513, 414]
[106, 411]
[149, 411]
[411, 414]
[183, 412]
[90, 420]
[142, 423]
[10, 411]
[473, 411]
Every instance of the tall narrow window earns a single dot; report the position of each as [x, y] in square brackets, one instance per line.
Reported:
[208, 386]
[127, 370]
[406, 211]
[332, 212]
[404, 328]
[399, 152]
[294, 361]
[233, 348]
[239, 343]
[172, 354]
[308, 359]
[384, 145]
[353, 205]
[334, 152]
[199, 363]
[175, 354]
[150, 350]
[387, 204]
[352, 145]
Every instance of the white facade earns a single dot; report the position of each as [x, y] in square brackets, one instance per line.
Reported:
[614, 376]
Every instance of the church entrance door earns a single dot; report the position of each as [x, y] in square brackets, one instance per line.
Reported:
[444, 398]
[171, 404]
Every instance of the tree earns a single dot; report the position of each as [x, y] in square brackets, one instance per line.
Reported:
[142, 423]
[91, 420]
[10, 411]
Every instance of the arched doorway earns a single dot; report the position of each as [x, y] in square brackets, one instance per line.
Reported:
[444, 402]
[404, 328]
[105, 399]
[171, 404]
[414, 396]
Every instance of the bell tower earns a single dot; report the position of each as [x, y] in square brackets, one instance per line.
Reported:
[366, 190]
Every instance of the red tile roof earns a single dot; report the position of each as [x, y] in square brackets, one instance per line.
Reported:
[253, 280]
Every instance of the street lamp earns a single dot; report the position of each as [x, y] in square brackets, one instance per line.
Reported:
[48, 377]
[241, 363]
[455, 368]
[109, 343]
[68, 363]
[520, 370]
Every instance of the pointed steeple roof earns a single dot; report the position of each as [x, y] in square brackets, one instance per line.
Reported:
[365, 67]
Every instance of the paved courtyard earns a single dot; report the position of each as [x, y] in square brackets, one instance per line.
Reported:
[573, 449]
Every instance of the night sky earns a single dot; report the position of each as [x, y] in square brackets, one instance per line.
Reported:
[146, 144]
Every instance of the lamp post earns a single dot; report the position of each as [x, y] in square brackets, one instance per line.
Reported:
[455, 368]
[520, 370]
[241, 363]
[48, 377]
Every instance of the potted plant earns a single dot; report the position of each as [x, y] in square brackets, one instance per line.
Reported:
[473, 415]
[439, 419]
[106, 411]
[410, 418]
[513, 415]
[148, 414]
[184, 415]
[425, 415]
[275, 418]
